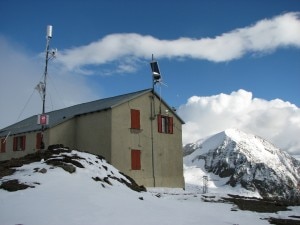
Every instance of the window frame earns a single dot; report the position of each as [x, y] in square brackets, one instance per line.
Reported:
[19, 143]
[38, 140]
[2, 145]
[165, 124]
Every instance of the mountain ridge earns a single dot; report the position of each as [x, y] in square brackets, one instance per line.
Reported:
[247, 160]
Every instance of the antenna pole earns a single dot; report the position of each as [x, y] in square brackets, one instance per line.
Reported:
[48, 37]
[152, 118]
[45, 73]
[152, 75]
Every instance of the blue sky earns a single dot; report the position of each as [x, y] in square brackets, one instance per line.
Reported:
[204, 48]
[77, 23]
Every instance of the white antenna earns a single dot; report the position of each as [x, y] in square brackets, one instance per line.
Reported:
[49, 31]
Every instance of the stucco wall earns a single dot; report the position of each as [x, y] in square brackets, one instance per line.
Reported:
[168, 155]
[30, 145]
[125, 139]
[63, 133]
[167, 168]
[93, 133]
[89, 132]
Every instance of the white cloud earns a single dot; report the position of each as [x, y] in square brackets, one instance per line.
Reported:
[275, 120]
[21, 72]
[264, 36]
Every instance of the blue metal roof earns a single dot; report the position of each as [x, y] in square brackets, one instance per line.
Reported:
[62, 115]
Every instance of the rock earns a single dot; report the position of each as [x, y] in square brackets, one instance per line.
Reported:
[14, 185]
[68, 168]
[60, 163]
[43, 170]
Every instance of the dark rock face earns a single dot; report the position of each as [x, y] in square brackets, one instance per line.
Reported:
[188, 149]
[14, 185]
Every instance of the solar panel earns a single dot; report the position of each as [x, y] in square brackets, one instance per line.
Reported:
[155, 70]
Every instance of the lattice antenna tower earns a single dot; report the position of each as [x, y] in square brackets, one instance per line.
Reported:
[205, 184]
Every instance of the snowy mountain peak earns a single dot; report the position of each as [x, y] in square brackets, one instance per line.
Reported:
[247, 160]
[236, 134]
[261, 150]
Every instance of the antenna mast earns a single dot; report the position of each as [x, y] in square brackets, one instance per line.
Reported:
[156, 78]
[43, 118]
[48, 37]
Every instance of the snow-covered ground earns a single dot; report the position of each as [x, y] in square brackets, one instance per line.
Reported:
[60, 197]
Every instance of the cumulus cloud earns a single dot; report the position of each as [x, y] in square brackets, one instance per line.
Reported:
[20, 72]
[275, 120]
[264, 36]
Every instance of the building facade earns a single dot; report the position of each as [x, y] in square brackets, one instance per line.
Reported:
[138, 133]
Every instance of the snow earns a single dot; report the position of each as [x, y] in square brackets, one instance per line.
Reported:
[216, 185]
[232, 144]
[75, 199]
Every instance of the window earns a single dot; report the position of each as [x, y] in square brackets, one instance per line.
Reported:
[165, 124]
[3, 145]
[19, 143]
[135, 119]
[135, 159]
[38, 141]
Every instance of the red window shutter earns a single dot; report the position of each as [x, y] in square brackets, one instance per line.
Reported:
[159, 124]
[15, 143]
[23, 143]
[38, 141]
[135, 159]
[3, 145]
[170, 124]
[135, 119]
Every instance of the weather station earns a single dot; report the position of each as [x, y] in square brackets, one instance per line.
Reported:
[156, 77]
